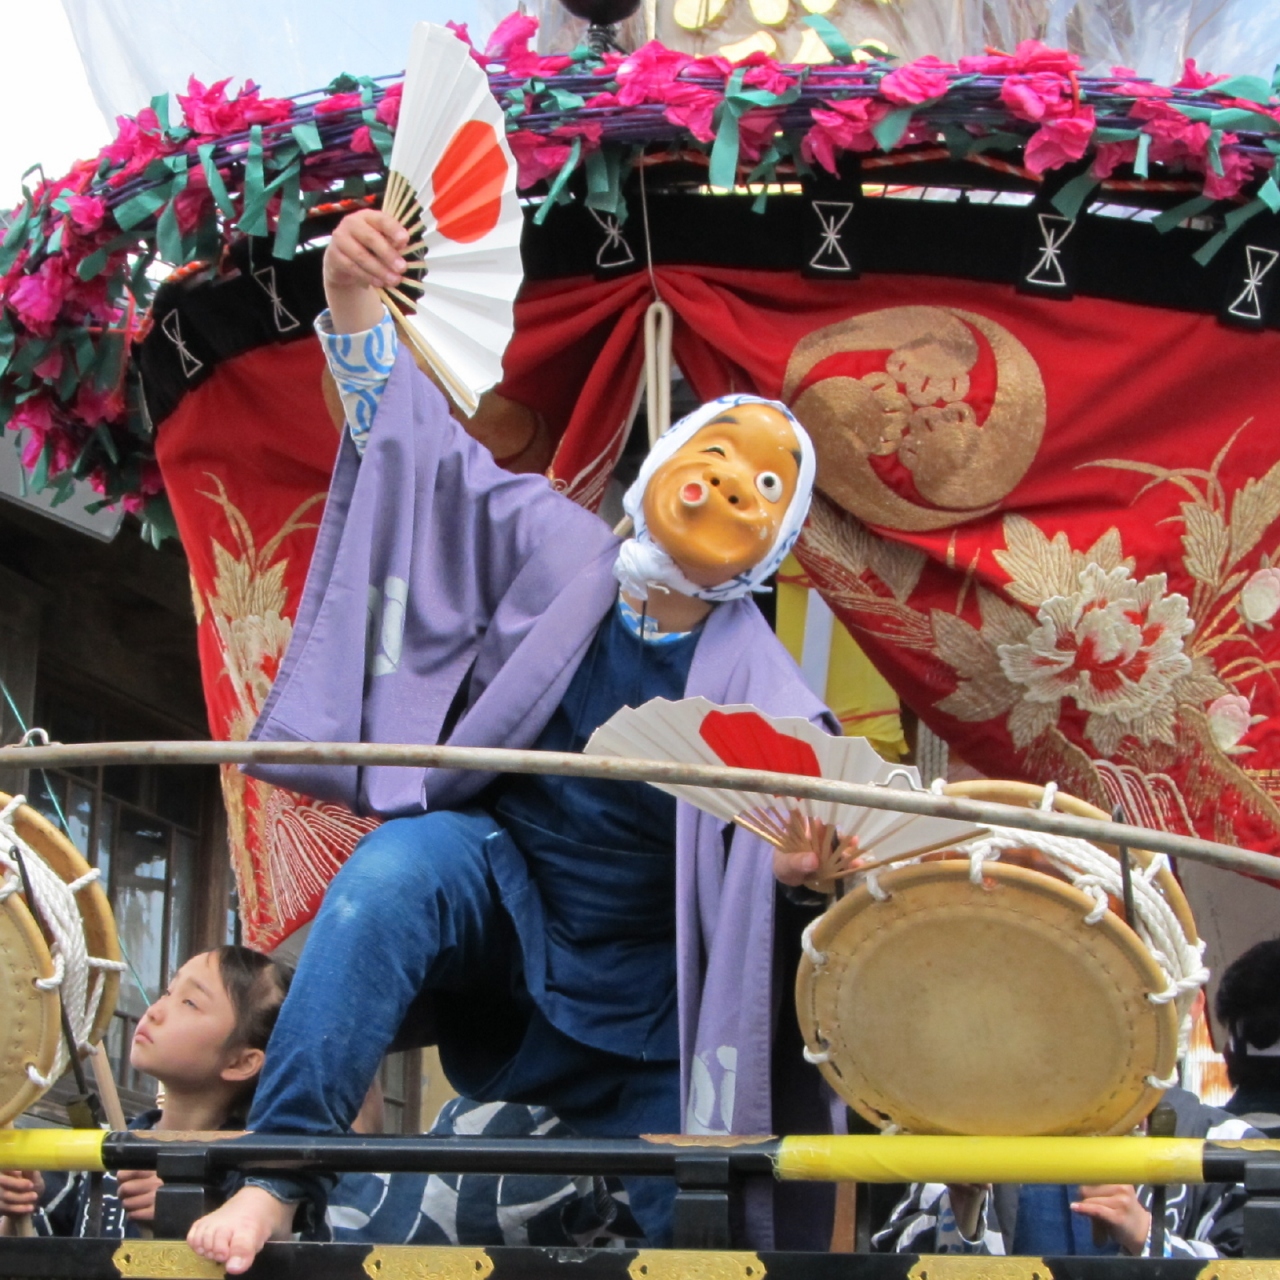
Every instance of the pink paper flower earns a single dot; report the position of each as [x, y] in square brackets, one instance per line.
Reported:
[336, 102]
[647, 74]
[1237, 170]
[1109, 156]
[211, 112]
[362, 141]
[765, 73]
[1043, 95]
[93, 406]
[693, 108]
[841, 125]
[917, 81]
[86, 213]
[539, 157]
[50, 367]
[1194, 78]
[388, 111]
[756, 130]
[138, 141]
[37, 298]
[1030, 56]
[1058, 142]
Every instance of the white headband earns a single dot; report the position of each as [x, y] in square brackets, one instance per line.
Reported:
[642, 564]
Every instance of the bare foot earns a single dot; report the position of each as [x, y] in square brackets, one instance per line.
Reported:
[234, 1234]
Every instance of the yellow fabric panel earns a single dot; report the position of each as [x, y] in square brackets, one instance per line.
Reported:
[860, 696]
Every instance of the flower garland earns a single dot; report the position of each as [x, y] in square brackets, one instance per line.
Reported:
[74, 260]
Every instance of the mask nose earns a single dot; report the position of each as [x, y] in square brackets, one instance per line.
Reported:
[728, 485]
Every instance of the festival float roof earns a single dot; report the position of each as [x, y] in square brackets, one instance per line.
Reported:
[194, 176]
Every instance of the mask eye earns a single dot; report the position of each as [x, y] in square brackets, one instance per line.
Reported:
[770, 485]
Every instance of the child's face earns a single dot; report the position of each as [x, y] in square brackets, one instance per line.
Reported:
[182, 1038]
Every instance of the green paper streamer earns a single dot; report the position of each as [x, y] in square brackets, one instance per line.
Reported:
[1232, 223]
[158, 523]
[557, 193]
[289, 219]
[253, 222]
[829, 34]
[1215, 151]
[1269, 193]
[307, 136]
[603, 190]
[40, 475]
[7, 341]
[888, 132]
[1237, 118]
[218, 188]
[139, 208]
[1250, 88]
[1179, 213]
[724, 152]
[160, 105]
[64, 486]
[168, 236]
[1071, 195]
[1141, 161]
[68, 381]
[104, 437]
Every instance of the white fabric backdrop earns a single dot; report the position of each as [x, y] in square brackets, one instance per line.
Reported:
[134, 49]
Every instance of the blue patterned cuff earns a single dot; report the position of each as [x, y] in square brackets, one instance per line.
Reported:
[360, 364]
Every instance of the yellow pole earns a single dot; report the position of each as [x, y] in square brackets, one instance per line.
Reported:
[61, 1150]
[907, 1158]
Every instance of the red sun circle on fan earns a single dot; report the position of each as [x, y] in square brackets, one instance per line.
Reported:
[468, 181]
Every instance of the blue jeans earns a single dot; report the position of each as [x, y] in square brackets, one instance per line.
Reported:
[412, 946]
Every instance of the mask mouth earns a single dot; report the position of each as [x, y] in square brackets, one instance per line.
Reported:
[694, 494]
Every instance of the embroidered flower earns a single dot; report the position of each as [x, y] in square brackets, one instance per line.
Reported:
[1229, 720]
[1260, 599]
[917, 81]
[1115, 647]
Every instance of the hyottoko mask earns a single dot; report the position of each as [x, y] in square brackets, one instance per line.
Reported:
[719, 501]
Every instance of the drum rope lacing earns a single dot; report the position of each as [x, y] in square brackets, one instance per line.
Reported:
[77, 976]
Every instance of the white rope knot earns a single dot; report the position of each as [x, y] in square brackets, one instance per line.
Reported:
[40, 1082]
[1156, 1083]
[1049, 796]
[816, 958]
[823, 1055]
[980, 853]
[872, 883]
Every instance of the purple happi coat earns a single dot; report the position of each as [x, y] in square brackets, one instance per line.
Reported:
[431, 562]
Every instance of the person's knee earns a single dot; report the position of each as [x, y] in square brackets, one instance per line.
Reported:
[407, 862]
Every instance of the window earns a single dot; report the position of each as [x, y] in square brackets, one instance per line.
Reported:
[149, 830]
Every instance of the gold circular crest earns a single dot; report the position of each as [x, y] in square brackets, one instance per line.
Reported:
[955, 397]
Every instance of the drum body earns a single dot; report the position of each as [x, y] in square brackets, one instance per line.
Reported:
[1012, 1005]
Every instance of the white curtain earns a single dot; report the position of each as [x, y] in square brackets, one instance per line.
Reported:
[134, 49]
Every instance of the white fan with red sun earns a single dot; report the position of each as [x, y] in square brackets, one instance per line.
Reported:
[452, 184]
[695, 731]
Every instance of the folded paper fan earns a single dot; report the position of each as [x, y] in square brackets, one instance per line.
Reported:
[452, 184]
[695, 731]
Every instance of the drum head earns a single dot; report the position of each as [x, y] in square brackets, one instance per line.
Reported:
[95, 909]
[957, 1008]
[29, 1017]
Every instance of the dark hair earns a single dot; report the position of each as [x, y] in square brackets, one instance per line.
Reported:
[1248, 1006]
[256, 984]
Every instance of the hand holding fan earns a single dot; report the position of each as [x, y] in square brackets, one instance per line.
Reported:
[452, 185]
[695, 731]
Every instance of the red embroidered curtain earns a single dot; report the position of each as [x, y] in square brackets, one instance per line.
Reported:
[1052, 525]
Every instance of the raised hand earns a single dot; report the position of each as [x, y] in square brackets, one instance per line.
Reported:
[363, 256]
